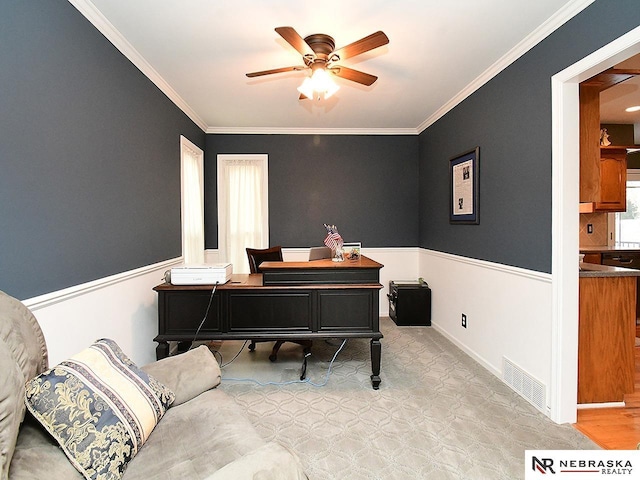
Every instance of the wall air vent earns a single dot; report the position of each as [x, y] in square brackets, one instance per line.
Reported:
[528, 387]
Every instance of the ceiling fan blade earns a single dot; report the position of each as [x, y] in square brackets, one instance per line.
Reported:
[365, 44]
[353, 75]
[275, 70]
[295, 40]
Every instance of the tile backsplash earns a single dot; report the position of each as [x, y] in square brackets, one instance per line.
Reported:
[599, 235]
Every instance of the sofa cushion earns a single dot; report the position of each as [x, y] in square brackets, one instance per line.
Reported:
[187, 374]
[195, 439]
[11, 407]
[99, 406]
[22, 334]
[23, 355]
[38, 455]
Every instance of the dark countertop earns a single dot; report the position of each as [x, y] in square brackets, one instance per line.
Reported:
[594, 270]
[607, 249]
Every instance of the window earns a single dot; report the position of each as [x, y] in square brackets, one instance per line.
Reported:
[243, 207]
[192, 187]
[626, 230]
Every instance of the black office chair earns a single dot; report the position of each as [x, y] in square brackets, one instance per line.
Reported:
[256, 257]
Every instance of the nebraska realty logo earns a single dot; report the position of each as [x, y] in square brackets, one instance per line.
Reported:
[581, 464]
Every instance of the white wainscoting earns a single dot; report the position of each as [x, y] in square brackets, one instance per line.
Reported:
[508, 312]
[399, 264]
[508, 309]
[122, 307]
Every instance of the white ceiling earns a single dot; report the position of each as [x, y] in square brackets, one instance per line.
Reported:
[614, 100]
[198, 51]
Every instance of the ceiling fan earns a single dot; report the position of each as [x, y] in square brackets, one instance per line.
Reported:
[320, 56]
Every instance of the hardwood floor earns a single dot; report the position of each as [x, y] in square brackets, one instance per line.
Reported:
[615, 428]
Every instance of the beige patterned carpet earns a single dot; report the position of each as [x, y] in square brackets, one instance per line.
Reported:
[437, 414]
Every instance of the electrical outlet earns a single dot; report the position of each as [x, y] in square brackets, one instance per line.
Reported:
[464, 321]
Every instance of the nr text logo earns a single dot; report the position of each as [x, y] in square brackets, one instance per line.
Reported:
[542, 465]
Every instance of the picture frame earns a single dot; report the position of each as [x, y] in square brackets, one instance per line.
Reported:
[351, 251]
[464, 192]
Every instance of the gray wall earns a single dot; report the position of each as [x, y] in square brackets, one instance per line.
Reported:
[510, 119]
[365, 184]
[89, 154]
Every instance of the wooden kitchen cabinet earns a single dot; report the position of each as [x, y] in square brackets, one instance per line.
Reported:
[613, 180]
[593, 258]
[605, 189]
[606, 339]
[603, 170]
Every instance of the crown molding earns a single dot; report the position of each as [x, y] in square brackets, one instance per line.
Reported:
[98, 20]
[311, 131]
[86, 8]
[554, 22]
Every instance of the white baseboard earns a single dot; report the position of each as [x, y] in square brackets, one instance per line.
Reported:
[466, 349]
[507, 309]
[586, 406]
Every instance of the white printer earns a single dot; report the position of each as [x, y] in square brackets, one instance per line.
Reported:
[201, 274]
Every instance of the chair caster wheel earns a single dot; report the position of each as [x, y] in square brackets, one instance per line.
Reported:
[273, 358]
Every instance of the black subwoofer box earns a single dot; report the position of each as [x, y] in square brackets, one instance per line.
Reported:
[410, 303]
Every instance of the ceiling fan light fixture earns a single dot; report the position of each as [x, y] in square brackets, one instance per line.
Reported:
[319, 85]
[319, 55]
[331, 91]
[306, 89]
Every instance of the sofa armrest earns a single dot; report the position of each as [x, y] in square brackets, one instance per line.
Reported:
[269, 462]
[187, 374]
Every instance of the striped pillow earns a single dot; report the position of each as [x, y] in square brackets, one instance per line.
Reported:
[99, 406]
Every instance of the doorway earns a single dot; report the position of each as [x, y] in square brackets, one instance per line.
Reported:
[192, 201]
[565, 218]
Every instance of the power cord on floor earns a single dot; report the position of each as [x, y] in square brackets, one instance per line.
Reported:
[218, 354]
[305, 380]
[222, 365]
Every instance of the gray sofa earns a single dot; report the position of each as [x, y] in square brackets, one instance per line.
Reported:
[202, 435]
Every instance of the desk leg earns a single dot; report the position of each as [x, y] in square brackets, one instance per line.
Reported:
[162, 350]
[183, 347]
[376, 351]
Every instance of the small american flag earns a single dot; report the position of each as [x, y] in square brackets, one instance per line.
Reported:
[333, 239]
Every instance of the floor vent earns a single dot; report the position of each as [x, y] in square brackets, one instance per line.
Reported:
[523, 383]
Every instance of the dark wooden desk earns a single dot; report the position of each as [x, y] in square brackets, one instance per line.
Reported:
[296, 300]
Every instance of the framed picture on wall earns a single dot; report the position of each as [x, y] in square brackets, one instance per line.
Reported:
[464, 172]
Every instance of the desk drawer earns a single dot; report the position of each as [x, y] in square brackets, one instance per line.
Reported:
[270, 311]
[182, 312]
[348, 310]
[320, 277]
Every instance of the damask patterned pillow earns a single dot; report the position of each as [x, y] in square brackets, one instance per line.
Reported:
[100, 407]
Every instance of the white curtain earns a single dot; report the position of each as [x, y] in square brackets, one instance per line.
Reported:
[243, 219]
[192, 206]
